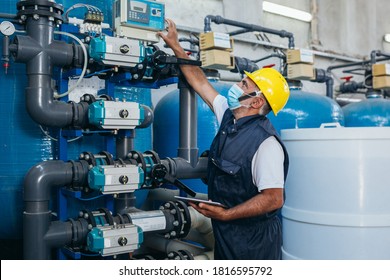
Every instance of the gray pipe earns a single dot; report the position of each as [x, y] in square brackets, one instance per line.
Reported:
[188, 124]
[247, 28]
[376, 53]
[38, 234]
[40, 53]
[322, 76]
[182, 169]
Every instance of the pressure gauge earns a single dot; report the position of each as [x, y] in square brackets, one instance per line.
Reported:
[7, 28]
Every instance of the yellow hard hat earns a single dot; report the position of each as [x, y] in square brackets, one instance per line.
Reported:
[273, 86]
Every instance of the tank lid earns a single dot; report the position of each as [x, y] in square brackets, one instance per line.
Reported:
[336, 132]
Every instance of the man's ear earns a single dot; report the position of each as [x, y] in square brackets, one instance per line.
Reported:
[258, 103]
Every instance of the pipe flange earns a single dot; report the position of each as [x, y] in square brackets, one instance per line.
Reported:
[175, 255]
[186, 218]
[154, 156]
[187, 254]
[88, 157]
[109, 158]
[182, 219]
[139, 158]
[88, 98]
[174, 210]
[40, 8]
[108, 215]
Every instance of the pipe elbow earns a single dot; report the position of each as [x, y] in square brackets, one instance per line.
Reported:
[49, 112]
[43, 176]
[207, 23]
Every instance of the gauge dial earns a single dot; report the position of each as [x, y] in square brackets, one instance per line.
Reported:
[7, 28]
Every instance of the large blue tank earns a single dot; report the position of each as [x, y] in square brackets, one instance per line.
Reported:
[166, 128]
[23, 144]
[369, 112]
[303, 110]
[307, 110]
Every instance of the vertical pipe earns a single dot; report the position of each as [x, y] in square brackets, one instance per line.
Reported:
[188, 124]
[124, 144]
[37, 215]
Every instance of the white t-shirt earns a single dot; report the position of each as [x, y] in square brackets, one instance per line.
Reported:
[267, 163]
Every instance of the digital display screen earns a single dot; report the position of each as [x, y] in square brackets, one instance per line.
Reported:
[138, 9]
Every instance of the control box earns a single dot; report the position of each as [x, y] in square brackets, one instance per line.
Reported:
[139, 19]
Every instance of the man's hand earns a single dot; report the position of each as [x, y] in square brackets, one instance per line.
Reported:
[211, 211]
[171, 37]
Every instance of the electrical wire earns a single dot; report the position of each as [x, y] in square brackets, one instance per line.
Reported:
[95, 73]
[76, 6]
[91, 198]
[55, 139]
[84, 67]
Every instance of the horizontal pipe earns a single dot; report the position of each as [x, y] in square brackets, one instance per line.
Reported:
[337, 56]
[182, 169]
[249, 27]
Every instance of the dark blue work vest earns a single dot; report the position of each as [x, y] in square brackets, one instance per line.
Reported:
[230, 182]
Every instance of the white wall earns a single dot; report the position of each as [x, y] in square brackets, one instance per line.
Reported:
[347, 30]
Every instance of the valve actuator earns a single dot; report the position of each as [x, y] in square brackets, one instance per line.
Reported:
[116, 115]
[114, 239]
[111, 179]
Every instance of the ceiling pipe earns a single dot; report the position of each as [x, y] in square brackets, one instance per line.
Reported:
[247, 28]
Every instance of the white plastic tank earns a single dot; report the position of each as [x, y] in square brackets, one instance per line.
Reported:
[337, 193]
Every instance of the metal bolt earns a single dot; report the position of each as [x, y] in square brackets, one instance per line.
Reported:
[81, 156]
[135, 76]
[123, 113]
[175, 223]
[167, 205]
[173, 233]
[87, 157]
[161, 208]
[90, 226]
[122, 241]
[123, 179]
[173, 211]
[135, 156]
[35, 16]
[86, 216]
[167, 235]
[171, 255]
[51, 18]
[140, 66]
[90, 166]
[81, 214]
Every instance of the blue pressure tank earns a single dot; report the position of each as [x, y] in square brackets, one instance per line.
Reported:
[307, 110]
[22, 144]
[369, 112]
[166, 128]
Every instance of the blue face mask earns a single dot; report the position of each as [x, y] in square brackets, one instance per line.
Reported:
[234, 93]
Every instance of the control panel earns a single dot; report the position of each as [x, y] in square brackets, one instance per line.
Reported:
[139, 19]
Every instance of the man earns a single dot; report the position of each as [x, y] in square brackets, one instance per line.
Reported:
[247, 162]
